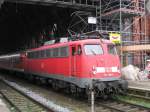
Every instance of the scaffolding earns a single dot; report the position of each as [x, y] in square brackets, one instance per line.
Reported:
[126, 17]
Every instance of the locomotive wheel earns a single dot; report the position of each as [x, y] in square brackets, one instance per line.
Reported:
[79, 92]
[54, 85]
[73, 89]
[30, 78]
[89, 90]
[38, 82]
[76, 91]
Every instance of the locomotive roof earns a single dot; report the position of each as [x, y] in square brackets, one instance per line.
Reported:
[72, 42]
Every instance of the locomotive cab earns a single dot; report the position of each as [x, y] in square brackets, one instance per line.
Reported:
[96, 62]
[103, 61]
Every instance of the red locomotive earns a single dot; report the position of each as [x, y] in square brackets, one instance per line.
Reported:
[77, 65]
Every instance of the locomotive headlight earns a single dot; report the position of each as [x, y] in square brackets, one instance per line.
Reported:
[118, 69]
[114, 69]
[94, 70]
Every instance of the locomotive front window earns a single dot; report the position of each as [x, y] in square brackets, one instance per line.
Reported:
[112, 49]
[93, 49]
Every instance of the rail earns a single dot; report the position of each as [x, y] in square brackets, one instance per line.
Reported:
[24, 100]
[100, 105]
[20, 100]
[139, 92]
[120, 106]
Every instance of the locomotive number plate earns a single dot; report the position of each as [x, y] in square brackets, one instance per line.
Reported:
[108, 70]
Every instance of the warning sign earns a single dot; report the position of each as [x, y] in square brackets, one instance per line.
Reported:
[115, 38]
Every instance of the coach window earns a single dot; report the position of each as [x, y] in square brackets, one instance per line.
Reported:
[39, 54]
[36, 54]
[29, 55]
[32, 54]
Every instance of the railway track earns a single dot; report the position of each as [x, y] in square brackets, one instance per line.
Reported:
[136, 96]
[139, 93]
[25, 100]
[21, 102]
[118, 106]
[73, 104]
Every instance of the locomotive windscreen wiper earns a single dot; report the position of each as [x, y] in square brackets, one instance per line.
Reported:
[93, 52]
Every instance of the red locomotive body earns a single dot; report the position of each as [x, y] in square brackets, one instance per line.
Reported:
[77, 64]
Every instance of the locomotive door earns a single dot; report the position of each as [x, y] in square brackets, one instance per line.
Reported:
[73, 60]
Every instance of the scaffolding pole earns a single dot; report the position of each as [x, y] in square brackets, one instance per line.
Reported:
[121, 53]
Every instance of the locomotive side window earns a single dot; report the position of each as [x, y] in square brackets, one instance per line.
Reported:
[112, 49]
[42, 53]
[92, 49]
[79, 50]
[64, 52]
[48, 53]
[73, 51]
[36, 54]
[55, 52]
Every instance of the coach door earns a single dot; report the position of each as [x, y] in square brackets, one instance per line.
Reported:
[73, 60]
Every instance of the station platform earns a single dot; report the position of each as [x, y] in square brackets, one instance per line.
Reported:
[141, 85]
[3, 107]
